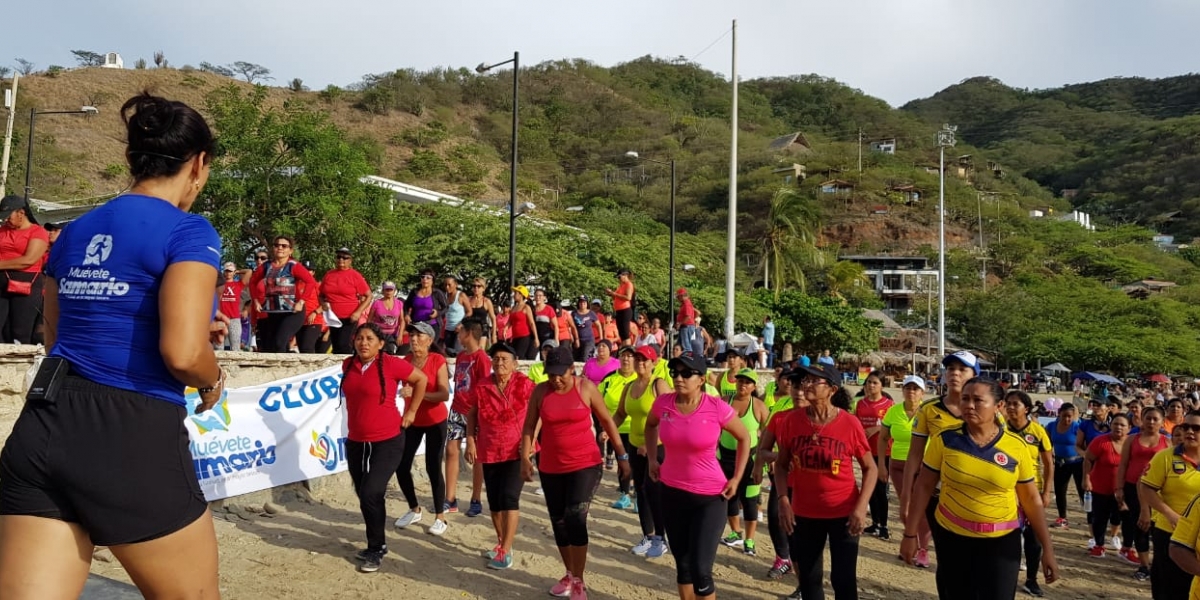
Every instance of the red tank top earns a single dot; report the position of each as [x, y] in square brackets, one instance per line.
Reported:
[568, 440]
[1139, 457]
[518, 324]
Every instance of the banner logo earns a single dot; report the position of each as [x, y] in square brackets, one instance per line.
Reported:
[215, 419]
[325, 449]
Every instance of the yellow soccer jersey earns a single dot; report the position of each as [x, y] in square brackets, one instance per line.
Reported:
[1176, 478]
[979, 484]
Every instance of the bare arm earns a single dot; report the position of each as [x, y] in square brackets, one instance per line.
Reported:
[1123, 467]
[529, 433]
[912, 467]
[619, 416]
[1048, 476]
[601, 411]
[472, 427]
[1035, 515]
[34, 251]
[885, 435]
[922, 492]
[443, 386]
[419, 382]
[1152, 500]
[1080, 445]
[185, 314]
[1186, 559]
[764, 456]
[1089, 461]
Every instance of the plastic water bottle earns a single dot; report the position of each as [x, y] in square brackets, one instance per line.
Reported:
[1087, 502]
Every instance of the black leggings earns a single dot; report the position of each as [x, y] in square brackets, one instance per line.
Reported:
[624, 318]
[694, 526]
[525, 348]
[971, 568]
[568, 499]
[308, 339]
[342, 337]
[779, 538]
[19, 312]
[1132, 536]
[649, 494]
[740, 501]
[371, 466]
[435, 446]
[1062, 473]
[1167, 580]
[879, 500]
[1033, 553]
[808, 549]
[276, 330]
[1105, 512]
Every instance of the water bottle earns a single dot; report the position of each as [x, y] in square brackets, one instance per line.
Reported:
[1087, 502]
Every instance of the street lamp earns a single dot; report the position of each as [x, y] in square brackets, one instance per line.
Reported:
[945, 139]
[33, 113]
[512, 193]
[671, 252]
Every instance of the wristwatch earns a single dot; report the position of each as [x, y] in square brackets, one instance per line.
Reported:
[623, 456]
[209, 389]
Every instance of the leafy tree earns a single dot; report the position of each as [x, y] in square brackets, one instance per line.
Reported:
[87, 58]
[140, 64]
[160, 59]
[297, 85]
[24, 67]
[843, 277]
[814, 324]
[252, 72]
[216, 69]
[789, 242]
[5, 72]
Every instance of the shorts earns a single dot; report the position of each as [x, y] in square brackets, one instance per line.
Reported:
[456, 426]
[114, 461]
[503, 484]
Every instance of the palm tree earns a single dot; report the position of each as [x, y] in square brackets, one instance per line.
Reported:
[842, 276]
[789, 242]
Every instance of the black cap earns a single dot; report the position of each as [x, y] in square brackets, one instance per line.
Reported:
[629, 349]
[827, 372]
[10, 204]
[689, 360]
[52, 227]
[623, 271]
[501, 347]
[344, 250]
[559, 361]
[795, 375]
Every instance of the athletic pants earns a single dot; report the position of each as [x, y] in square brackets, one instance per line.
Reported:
[342, 337]
[1064, 472]
[1105, 512]
[808, 548]
[371, 466]
[779, 538]
[649, 494]
[1132, 536]
[624, 318]
[973, 568]
[435, 446]
[276, 330]
[879, 502]
[1167, 580]
[568, 499]
[694, 526]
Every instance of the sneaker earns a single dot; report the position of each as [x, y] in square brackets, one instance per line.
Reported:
[1061, 523]
[922, 559]
[1115, 542]
[362, 554]
[1096, 552]
[493, 553]
[658, 547]
[1091, 543]
[476, 509]
[1142, 574]
[539, 491]
[796, 595]
[1022, 567]
[872, 530]
[409, 518]
[748, 548]
[781, 567]
[562, 589]
[608, 463]
[1130, 556]
[635, 508]
[438, 528]
[883, 533]
[623, 503]
[733, 540]
[502, 561]
[450, 506]
[578, 590]
[372, 560]
[642, 547]
[1033, 589]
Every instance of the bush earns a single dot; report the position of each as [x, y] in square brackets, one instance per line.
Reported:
[425, 165]
[330, 93]
[54, 70]
[113, 171]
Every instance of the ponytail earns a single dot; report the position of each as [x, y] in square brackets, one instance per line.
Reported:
[841, 399]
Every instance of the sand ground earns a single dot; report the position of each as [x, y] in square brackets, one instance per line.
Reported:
[306, 552]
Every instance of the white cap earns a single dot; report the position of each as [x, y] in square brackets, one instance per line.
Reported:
[964, 357]
[914, 379]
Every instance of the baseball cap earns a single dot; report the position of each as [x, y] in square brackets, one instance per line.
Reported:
[344, 250]
[623, 271]
[827, 372]
[522, 290]
[689, 360]
[559, 361]
[915, 380]
[681, 292]
[229, 267]
[582, 299]
[647, 353]
[10, 204]
[795, 376]
[624, 349]
[596, 301]
[502, 347]
[963, 357]
[420, 327]
[548, 343]
[747, 374]
[565, 304]
[389, 285]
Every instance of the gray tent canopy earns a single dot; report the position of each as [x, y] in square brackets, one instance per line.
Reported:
[1058, 367]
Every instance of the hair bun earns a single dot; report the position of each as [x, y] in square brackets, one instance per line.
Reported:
[152, 117]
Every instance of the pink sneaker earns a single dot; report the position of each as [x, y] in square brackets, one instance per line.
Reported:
[562, 589]
[922, 559]
[578, 590]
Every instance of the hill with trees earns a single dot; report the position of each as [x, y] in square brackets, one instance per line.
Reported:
[291, 161]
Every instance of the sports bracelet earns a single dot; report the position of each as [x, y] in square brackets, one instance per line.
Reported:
[910, 536]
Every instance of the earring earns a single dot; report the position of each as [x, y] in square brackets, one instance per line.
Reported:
[196, 184]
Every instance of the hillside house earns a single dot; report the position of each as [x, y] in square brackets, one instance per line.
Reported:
[900, 281]
[965, 167]
[907, 193]
[112, 60]
[793, 143]
[837, 187]
[1070, 193]
[1147, 287]
[996, 170]
[792, 174]
[887, 146]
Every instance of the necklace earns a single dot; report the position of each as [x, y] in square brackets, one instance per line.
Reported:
[812, 415]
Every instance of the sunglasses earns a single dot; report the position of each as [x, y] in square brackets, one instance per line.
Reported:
[478, 286]
[283, 245]
[260, 258]
[342, 257]
[1186, 427]
[812, 381]
[427, 277]
[683, 373]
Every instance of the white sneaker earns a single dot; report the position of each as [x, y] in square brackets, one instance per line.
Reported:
[642, 547]
[1091, 543]
[409, 518]
[438, 528]
[539, 491]
[1116, 543]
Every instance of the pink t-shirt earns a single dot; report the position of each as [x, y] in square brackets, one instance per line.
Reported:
[690, 444]
[387, 320]
[596, 372]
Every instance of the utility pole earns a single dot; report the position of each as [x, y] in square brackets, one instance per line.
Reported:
[860, 138]
[731, 251]
[10, 102]
[945, 139]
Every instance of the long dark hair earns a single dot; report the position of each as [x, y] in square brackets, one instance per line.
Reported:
[841, 398]
[373, 328]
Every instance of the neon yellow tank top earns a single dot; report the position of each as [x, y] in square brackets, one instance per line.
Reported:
[748, 419]
[638, 409]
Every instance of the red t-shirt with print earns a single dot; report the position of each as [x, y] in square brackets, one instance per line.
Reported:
[822, 465]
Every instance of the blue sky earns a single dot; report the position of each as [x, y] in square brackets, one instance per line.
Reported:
[897, 50]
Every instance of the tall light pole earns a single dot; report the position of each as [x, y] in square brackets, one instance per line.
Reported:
[945, 139]
[33, 113]
[512, 192]
[10, 102]
[671, 251]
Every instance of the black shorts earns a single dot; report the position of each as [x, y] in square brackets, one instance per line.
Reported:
[114, 461]
[503, 484]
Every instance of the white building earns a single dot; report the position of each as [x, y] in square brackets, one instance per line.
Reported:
[112, 60]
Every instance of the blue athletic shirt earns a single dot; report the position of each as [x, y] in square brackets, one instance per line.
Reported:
[1064, 443]
[109, 265]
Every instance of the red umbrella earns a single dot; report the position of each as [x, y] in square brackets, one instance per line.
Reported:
[1158, 378]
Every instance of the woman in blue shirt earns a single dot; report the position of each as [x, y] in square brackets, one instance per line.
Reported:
[1068, 463]
[104, 460]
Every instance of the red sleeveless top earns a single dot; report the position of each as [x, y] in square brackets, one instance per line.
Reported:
[518, 324]
[1139, 457]
[568, 440]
